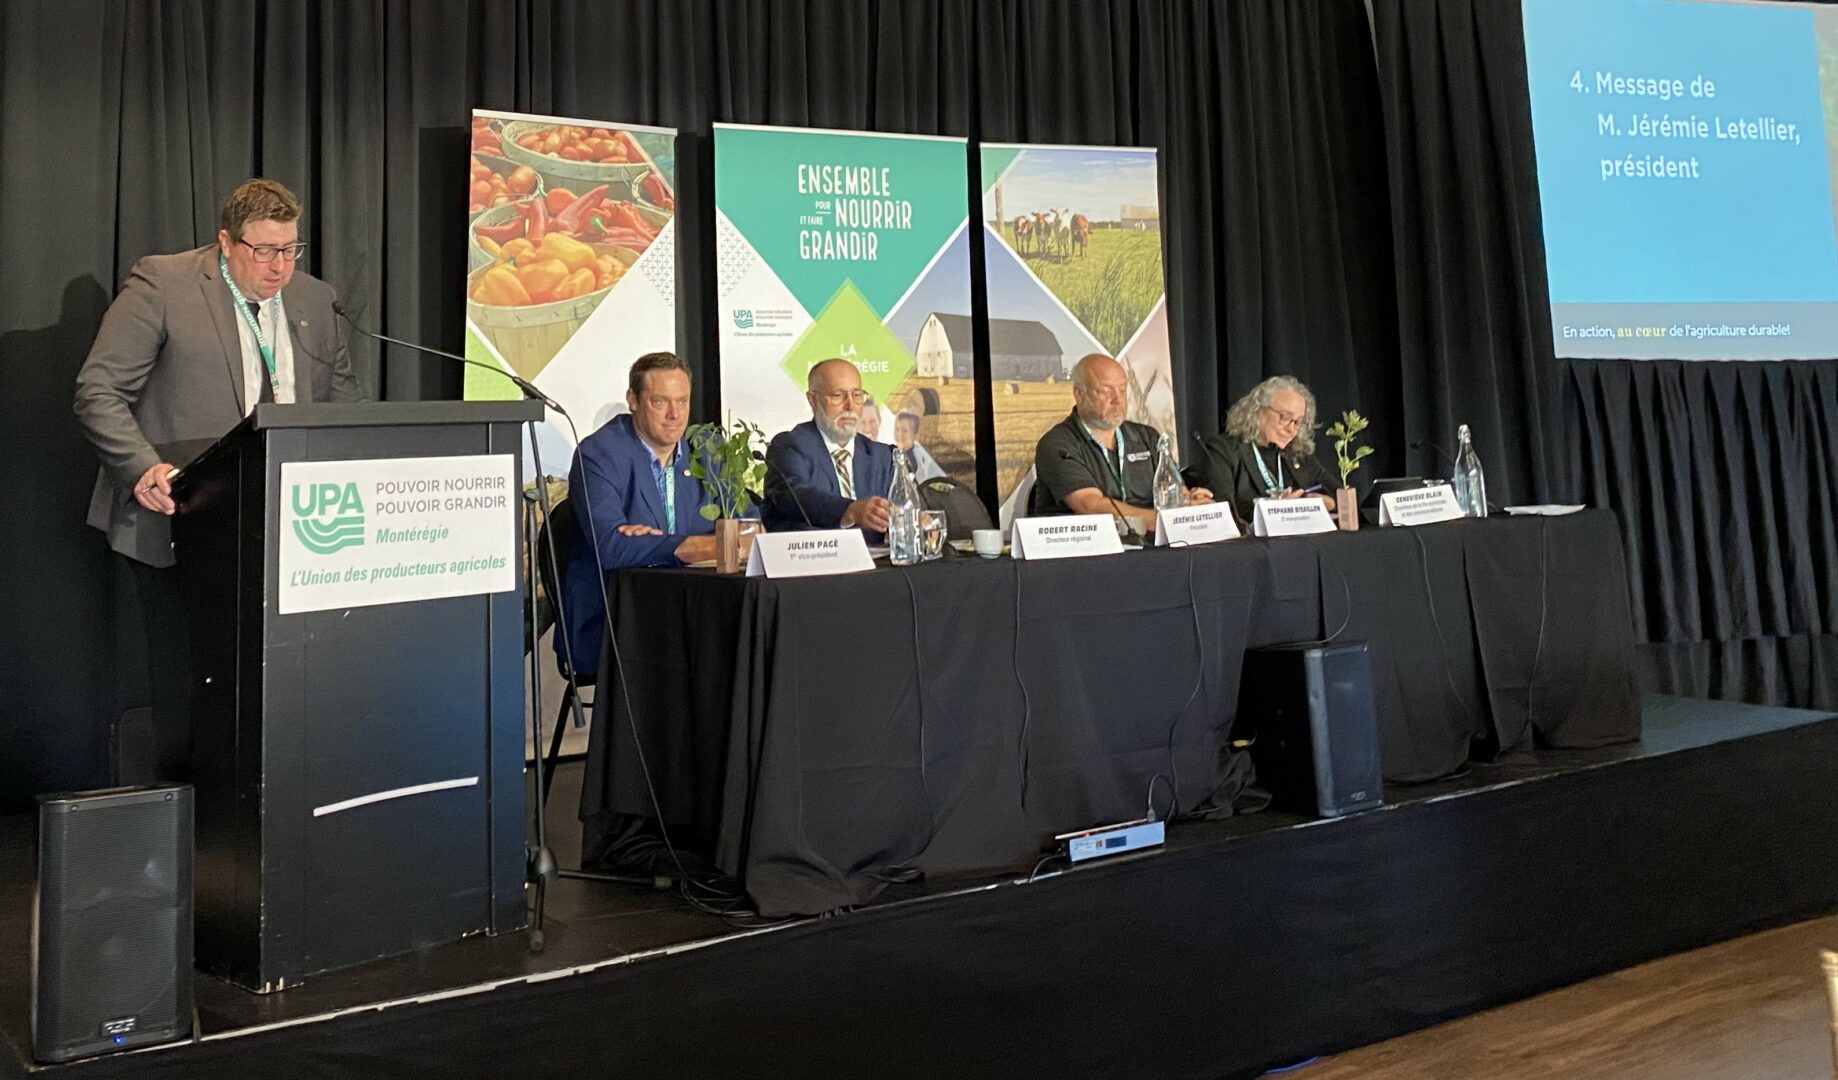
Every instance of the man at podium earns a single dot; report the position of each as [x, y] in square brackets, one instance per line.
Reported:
[194, 340]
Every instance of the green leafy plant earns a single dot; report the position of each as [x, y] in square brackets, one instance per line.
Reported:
[723, 456]
[1344, 432]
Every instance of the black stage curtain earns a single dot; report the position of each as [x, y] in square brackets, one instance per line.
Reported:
[1366, 220]
[127, 121]
[1724, 474]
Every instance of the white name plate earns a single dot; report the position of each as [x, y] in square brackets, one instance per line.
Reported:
[1068, 537]
[1189, 525]
[1419, 506]
[1290, 517]
[809, 554]
[395, 530]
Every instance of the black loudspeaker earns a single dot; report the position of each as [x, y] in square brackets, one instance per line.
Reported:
[111, 921]
[1307, 711]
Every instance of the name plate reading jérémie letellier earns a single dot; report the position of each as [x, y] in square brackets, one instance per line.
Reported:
[1188, 525]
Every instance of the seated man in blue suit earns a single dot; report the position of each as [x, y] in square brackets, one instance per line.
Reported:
[822, 474]
[633, 476]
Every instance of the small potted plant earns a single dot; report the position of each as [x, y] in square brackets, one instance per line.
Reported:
[724, 458]
[1345, 432]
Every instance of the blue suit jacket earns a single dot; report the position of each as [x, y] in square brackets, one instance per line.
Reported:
[612, 474]
[800, 459]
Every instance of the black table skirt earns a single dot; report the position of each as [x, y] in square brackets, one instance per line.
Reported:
[816, 735]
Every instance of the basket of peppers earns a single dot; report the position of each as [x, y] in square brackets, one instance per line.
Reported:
[541, 265]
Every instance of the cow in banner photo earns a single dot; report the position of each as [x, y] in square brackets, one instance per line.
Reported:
[1043, 232]
[1024, 233]
[1081, 233]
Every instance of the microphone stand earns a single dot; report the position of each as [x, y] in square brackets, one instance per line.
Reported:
[1129, 523]
[789, 487]
[540, 866]
[1492, 507]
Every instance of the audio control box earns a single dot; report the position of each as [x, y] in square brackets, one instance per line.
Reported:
[1112, 839]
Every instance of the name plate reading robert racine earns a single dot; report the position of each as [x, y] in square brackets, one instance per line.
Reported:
[1068, 537]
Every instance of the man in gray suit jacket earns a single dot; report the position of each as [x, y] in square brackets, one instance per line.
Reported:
[187, 349]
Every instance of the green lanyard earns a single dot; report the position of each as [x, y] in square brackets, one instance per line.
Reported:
[670, 494]
[255, 327]
[1272, 486]
[1123, 488]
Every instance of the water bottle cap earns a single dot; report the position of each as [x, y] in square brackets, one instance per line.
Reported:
[1461, 432]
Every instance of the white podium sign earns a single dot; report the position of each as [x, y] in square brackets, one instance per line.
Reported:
[1290, 517]
[809, 554]
[1069, 537]
[395, 530]
[1419, 506]
[1189, 525]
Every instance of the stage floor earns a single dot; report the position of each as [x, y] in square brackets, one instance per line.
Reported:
[595, 927]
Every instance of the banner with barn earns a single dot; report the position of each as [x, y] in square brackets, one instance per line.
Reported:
[571, 242]
[853, 245]
[1073, 248]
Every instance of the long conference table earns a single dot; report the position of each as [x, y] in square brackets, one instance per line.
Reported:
[818, 737]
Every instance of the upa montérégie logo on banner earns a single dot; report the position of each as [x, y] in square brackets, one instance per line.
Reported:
[328, 517]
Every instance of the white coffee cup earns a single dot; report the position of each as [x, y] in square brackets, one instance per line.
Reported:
[988, 542]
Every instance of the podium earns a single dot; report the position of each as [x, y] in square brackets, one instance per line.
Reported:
[352, 583]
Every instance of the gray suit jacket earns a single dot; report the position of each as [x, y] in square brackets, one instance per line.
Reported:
[165, 379]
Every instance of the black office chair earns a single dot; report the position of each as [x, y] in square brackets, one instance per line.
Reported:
[964, 512]
[565, 533]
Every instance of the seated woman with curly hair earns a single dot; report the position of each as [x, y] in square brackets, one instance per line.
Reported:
[1267, 450]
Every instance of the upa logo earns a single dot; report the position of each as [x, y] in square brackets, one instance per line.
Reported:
[328, 517]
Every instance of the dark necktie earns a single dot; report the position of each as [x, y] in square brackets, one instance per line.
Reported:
[265, 381]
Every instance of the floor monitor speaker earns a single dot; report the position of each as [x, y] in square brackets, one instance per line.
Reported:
[112, 921]
[1307, 712]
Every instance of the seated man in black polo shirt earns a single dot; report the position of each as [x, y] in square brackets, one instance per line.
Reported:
[1095, 461]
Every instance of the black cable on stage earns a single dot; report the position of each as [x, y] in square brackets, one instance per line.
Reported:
[1035, 873]
[925, 788]
[1442, 641]
[1027, 701]
[1544, 609]
[1173, 797]
[687, 883]
[1199, 677]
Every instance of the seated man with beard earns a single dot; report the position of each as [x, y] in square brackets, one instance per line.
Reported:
[823, 474]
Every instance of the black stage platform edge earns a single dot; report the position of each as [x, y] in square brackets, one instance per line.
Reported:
[1219, 958]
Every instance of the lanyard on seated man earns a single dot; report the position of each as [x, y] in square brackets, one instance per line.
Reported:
[255, 326]
[668, 483]
[1117, 470]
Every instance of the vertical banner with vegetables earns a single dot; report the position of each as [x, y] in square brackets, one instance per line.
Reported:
[572, 266]
[1072, 245]
[854, 245]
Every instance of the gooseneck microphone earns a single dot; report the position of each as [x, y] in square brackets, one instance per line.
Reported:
[1129, 523]
[789, 486]
[528, 388]
[1440, 452]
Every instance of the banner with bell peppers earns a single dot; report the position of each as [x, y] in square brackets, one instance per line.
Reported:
[847, 244]
[572, 261]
